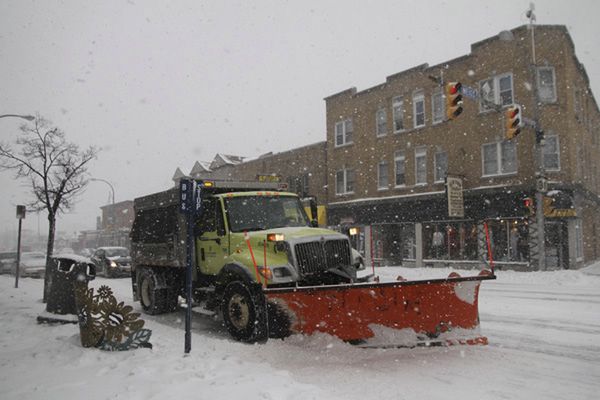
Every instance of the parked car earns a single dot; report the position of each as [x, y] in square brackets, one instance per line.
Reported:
[7, 260]
[112, 261]
[33, 264]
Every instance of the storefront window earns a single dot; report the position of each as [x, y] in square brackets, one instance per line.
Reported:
[509, 240]
[450, 240]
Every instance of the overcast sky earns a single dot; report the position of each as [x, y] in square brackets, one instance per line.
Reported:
[158, 85]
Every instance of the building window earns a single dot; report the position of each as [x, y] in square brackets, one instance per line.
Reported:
[551, 153]
[299, 185]
[382, 176]
[398, 114]
[441, 166]
[437, 107]
[499, 158]
[496, 91]
[546, 84]
[419, 109]
[381, 121]
[343, 132]
[344, 181]
[400, 168]
[505, 89]
[420, 166]
[578, 241]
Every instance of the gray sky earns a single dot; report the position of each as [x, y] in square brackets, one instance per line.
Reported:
[161, 84]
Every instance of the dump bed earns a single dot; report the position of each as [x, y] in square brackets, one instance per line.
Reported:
[159, 231]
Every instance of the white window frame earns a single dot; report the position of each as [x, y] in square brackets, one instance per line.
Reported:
[438, 179]
[399, 156]
[442, 107]
[378, 113]
[420, 152]
[398, 113]
[343, 124]
[418, 97]
[386, 184]
[496, 98]
[546, 139]
[539, 85]
[499, 163]
[345, 172]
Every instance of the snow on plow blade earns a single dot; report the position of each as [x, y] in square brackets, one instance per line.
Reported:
[408, 313]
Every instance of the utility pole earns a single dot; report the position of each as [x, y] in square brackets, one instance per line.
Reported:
[539, 151]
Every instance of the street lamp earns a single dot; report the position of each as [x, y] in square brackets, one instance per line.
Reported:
[112, 189]
[27, 117]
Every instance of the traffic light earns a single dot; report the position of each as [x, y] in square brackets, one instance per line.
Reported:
[529, 206]
[454, 103]
[514, 121]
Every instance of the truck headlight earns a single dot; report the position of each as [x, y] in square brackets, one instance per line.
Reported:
[113, 264]
[281, 272]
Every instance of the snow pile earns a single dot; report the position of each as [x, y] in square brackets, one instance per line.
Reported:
[543, 330]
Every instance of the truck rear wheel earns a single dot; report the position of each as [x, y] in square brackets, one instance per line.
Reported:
[245, 312]
[154, 297]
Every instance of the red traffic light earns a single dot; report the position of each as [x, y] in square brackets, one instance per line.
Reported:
[454, 103]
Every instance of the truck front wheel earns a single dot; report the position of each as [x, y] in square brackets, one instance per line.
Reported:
[244, 312]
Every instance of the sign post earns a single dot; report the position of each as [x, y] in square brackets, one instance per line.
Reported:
[189, 201]
[21, 216]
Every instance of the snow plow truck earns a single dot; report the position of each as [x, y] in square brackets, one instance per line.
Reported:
[270, 271]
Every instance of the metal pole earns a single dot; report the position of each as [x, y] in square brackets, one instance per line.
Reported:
[539, 151]
[17, 267]
[27, 117]
[112, 189]
[188, 282]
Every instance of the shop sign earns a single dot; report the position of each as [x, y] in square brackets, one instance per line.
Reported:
[268, 178]
[552, 210]
[454, 191]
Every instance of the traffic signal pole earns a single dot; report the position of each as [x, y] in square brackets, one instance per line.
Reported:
[539, 151]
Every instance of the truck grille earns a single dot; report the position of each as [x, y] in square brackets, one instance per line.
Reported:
[315, 257]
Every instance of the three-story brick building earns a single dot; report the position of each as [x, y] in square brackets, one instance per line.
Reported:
[390, 147]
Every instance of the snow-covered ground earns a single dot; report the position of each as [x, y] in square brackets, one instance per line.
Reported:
[543, 327]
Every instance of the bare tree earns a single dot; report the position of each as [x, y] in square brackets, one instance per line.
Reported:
[56, 171]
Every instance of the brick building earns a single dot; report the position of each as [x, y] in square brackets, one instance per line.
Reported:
[389, 149]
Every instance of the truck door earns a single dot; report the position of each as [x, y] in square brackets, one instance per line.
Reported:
[212, 246]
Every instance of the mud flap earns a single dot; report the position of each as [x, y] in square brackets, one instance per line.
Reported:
[441, 311]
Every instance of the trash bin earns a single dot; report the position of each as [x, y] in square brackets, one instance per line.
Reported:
[64, 271]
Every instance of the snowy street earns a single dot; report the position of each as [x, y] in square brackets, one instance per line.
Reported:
[543, 328]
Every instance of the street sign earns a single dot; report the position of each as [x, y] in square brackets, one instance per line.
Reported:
[454, 190]
[21, 212]
[469, 92]
[186, 196]
[542, 184]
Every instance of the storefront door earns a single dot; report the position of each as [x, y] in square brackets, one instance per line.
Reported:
[557, 245]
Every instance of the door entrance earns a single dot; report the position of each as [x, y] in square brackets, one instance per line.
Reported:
[557, 245]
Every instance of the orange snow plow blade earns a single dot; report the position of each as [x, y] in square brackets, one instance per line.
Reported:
[408, 313]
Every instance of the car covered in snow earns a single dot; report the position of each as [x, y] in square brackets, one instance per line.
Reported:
[32, 264]
[112, 261]
[7, 261]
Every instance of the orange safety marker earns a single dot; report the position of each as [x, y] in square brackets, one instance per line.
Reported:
[489, 246]
[265, 262]
[247, 239]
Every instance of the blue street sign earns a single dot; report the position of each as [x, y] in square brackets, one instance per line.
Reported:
[186, 196]
[469, 92]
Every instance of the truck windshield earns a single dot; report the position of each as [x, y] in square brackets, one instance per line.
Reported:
[254, 213]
